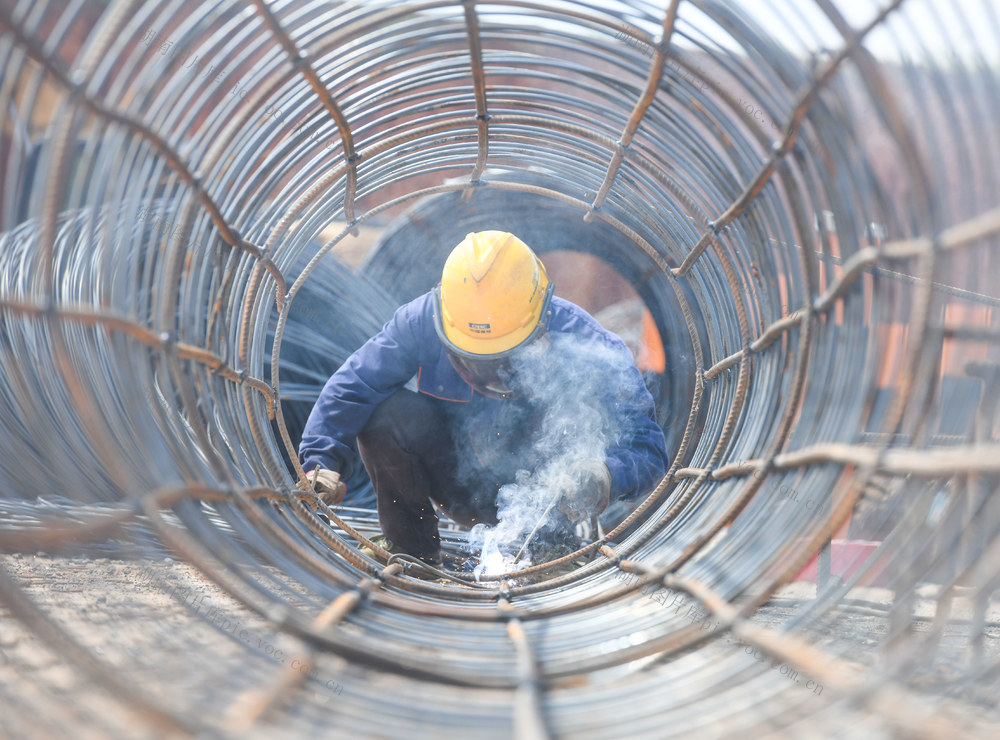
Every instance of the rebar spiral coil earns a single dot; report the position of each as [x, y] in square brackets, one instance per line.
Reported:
[814, 188]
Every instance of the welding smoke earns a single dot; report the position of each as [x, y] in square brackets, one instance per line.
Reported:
[566, 392]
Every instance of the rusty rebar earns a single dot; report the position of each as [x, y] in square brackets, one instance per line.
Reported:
[803, 196]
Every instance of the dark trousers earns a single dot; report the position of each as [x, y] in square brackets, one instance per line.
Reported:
[410, 448]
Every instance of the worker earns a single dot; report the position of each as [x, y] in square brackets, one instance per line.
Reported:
[479, 395]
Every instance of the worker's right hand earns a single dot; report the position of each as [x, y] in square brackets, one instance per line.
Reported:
[328, 486]
[586, 490]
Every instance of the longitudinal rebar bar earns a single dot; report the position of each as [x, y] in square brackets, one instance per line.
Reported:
[206, 207]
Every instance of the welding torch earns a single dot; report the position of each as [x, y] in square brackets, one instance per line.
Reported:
[596, 530]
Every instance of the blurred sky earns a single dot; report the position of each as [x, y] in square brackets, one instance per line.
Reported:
[939, 30]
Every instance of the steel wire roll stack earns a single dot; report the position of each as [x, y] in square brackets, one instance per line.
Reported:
[804, 199]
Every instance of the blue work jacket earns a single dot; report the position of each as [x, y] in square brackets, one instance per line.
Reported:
[590, 378]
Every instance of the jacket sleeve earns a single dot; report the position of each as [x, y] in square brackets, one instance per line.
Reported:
[379, 368]
[634, 446]
[637, 459]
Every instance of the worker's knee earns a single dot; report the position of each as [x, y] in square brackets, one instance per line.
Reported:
[405, 422]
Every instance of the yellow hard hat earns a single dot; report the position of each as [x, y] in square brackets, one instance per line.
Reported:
[494, 295]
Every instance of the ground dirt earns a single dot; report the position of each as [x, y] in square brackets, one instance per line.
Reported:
[169, 634]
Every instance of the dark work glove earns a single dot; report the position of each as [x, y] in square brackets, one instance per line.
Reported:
[586, 489]
[328, 486]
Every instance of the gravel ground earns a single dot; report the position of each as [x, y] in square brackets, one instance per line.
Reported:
[172, 636]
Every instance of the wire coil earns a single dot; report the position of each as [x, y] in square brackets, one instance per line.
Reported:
[805, 197]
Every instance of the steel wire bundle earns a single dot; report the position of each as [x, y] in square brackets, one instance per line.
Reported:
[805, 197]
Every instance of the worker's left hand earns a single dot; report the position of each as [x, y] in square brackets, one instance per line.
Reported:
[586, 490]
[328, 486]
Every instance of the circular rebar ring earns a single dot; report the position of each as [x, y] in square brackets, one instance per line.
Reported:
[803, 196]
